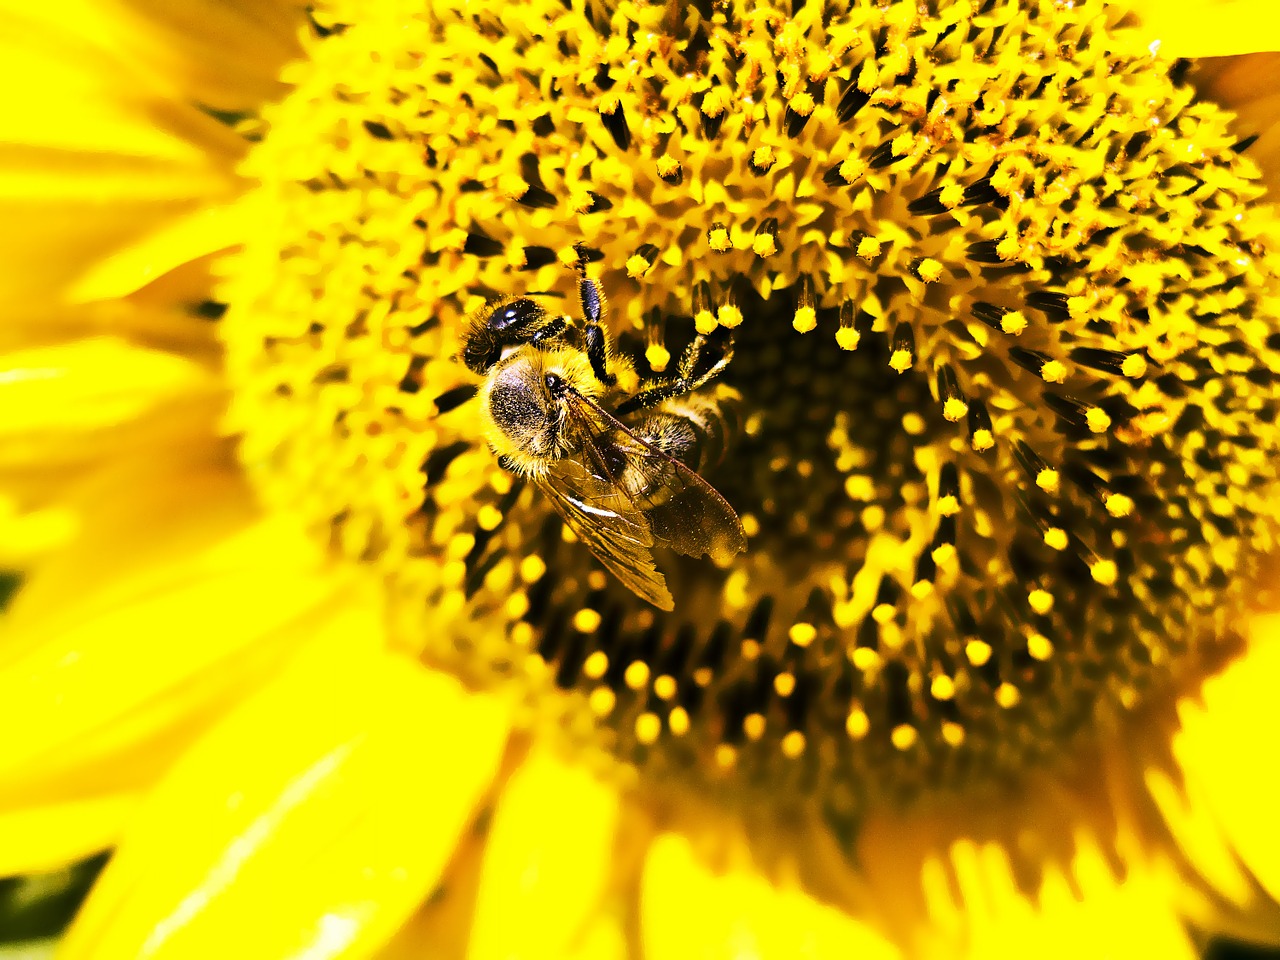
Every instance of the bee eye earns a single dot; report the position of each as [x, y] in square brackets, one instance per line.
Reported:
[516, 314]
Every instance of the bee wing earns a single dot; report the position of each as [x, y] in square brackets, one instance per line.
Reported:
[603, 518]
[684, 511]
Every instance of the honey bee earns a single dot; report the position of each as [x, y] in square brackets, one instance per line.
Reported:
[620, 467]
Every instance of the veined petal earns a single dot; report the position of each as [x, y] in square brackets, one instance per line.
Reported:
[547, 862]
[1209, 28]
[62, 401]
[1217, 748]
[327, 807]
[687, 910]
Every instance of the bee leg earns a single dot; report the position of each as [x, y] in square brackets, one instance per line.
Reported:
[549, 333]
[688, 378]
[695, 355]
[594, 336]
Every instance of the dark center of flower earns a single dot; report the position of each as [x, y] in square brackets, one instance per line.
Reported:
[1004, 340]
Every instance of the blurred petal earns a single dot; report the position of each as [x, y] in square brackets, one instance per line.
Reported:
[60, 399]
[111, 664]
[37, 839]
[99, 149]
[324, 809]
[1083, 910]
[1217, 749]
[202, 232]
[688, 911]
[603, 939]
[547, 862]
[441, 929]
[1209, 28]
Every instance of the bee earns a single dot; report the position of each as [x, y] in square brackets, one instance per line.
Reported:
[620, 467]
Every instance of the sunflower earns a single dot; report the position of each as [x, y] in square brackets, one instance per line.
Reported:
[1000, 285]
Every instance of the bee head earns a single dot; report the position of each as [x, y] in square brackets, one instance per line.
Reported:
[501, 324]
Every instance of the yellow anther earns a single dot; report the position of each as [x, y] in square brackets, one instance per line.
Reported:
[596, 665]
[802, 634]
[636, 676]
[1013, 322]
[1118, 505]
[1105, 572]
[904, 736]
[602, 700]
[678, 721]
[1055, 371]
[586, 620]
[929, 270]
[637, 266]
[764, 245]
[952, 733]
[1007, 696]
[857, 724]
[977, 652]
[793, 744]
[1039, 646]
[1041, 601]
[729, 315]
[869, 248]
[648, 728]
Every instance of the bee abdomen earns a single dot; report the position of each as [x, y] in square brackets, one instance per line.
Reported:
[694, 430]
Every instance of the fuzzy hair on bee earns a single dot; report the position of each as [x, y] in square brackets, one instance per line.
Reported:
[523, 423]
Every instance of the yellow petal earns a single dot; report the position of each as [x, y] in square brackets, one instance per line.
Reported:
[1209, 28]
[98, 151]
[171, 607]
[61, 401]
[1225, 749]
[309, 823]
[224, 54]
[43, 838]
[179, 241]
[687, 910]
[1082, 909]
[547, 862]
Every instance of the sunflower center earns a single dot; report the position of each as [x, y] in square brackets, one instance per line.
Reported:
[1002, 308]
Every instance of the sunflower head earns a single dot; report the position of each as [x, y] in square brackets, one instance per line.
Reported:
[1000, 293]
